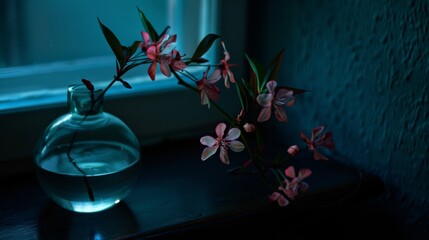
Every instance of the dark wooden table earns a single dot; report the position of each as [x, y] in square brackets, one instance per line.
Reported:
[179, 196]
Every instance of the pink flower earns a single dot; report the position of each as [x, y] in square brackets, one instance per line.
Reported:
[146, 43]
[281, 200]
[207, 87]
[176, 61]
[164, 53]
[248, 127]
[318, 140]
[293, 150]
[276, 100]
[224, 68]
[226, 143]
[295, 185]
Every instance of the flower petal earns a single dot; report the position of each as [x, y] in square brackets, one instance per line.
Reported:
[305, 138]
[152, 70]
[236, 146]
[204, 98]
[233, 134]
[224, 155]
[290, 172]
[215, 76]
[146, 37]
[165, 69]
[325, 141]
[208, 141]
[316, 131]
[304, 173]
[271, 86]
[212, 91]
[227, 56]
[282, 201]
[220, 129]
[151, 52]
[283, 93]
[280, 114]
[208, 152]
[274, 196]
[318, 156]
[265, 114]
[231, 76]
[265, 100]
[179, 65]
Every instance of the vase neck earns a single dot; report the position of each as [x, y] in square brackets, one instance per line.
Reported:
[81, 101]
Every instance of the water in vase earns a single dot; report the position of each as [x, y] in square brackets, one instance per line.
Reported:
[111, 170]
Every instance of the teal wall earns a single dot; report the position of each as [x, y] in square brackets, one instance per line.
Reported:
[366, 66]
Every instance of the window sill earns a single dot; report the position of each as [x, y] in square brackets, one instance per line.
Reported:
[179, 196]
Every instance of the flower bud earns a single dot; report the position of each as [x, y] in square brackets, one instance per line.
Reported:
[292, 150]
[240, 116]
[248, 127]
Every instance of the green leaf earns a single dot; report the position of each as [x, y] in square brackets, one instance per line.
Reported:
[148, 27]
[114, 43]
[272, 71]
[248, 85]
[133, 48]
[88, 85]
[125, 83]
[204, 46]
[242, 95]
[199, 60]
[258, 70]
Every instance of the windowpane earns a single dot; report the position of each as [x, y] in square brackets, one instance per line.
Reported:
[50, 44]
[50, 30]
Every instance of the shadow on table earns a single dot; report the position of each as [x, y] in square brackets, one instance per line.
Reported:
[58, 223]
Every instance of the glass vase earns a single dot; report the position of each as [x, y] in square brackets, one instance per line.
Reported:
[87, 160]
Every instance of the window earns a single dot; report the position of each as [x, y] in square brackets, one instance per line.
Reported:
[51, 44]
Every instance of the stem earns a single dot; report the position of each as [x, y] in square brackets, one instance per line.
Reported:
[71, 160]
[183, 82]
[231, 120]
[85, 177]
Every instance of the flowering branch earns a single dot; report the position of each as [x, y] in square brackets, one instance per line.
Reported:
[260, 94]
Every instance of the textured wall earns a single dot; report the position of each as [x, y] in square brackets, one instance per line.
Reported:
[366, 66]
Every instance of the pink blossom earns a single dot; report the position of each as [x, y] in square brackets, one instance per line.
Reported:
[281, 200]
[248, 127]
[176, 61]
[274, 99]
[318, 140]
[293, 150]
[164, 53]
[146, 43]
[295, 185]
[207, 87]
[224, 66]
[224, 143]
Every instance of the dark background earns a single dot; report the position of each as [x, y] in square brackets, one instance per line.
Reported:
[365, 65]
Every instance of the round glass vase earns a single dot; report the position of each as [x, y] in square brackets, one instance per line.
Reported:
[87, 160]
